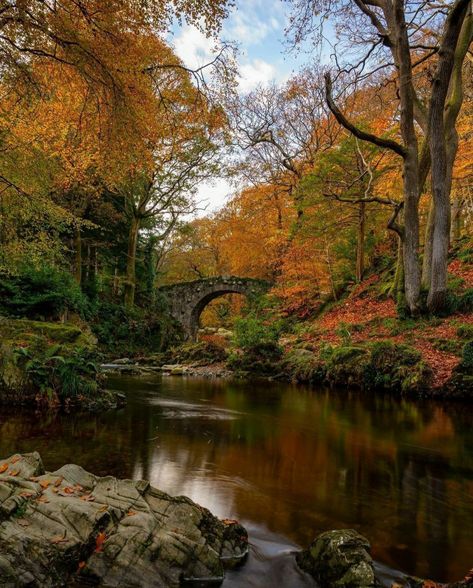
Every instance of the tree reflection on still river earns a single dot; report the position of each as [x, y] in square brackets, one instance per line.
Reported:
[285, 459]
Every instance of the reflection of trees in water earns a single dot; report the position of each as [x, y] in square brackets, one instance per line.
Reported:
[295, 461]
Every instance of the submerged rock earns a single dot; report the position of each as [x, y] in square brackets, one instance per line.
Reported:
[339, 558]
[71, 528]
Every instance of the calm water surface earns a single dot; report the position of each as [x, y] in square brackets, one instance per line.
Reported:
[288, 462]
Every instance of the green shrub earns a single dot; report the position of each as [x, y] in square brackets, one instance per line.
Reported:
[57, 373]
[133, 331]
[250, 331]
[467, 355]
[44, 293]
[465, 331]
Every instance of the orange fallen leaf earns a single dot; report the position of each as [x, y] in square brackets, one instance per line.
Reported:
[26, 494]
[3, 468]
[44, 484]
[131, 513]
[13, 472]
[101, 538]
[58, 482]
[88, 498]
[69, 490]
[42, 499]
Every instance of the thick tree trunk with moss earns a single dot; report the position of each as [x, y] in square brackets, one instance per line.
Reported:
[427, 257]
[444, 140]
[130, 280]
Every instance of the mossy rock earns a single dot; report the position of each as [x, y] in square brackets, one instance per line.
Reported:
[49, 363]
[347, 366]
[339, 559]
[201, 353]
[263, 359]
[460, 384]
[396, 367]
[303, 365]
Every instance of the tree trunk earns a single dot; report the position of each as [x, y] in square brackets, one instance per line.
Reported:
[411, 161]
[455, 229]
[397, 290]
[130, 280]
[330, 270]
[411, 238]
[77, 255]
[427, 259]
[444, 143]
[360, 245]
[115, 279]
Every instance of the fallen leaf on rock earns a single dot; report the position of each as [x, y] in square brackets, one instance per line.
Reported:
[229, 522]
[26, 494]
[131, 513]
[68, 490]
[13, 472]
[58, 482]
[44, 484]
[101, 538]
[3, 468]
[59, 539]
[42, 499]
[88, 498]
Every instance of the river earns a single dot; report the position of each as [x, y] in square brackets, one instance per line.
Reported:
[288, 462]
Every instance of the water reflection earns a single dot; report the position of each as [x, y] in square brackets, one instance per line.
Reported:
[286, 459]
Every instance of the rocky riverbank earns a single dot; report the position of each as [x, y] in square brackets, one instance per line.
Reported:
[71, 528]
[381, 366]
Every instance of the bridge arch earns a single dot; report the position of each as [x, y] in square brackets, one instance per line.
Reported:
[187, 300]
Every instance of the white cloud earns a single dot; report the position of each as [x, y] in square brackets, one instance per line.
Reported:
[246, 28]
[255, 72]
[193, 47]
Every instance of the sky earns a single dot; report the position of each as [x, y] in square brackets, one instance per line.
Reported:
[257, 27]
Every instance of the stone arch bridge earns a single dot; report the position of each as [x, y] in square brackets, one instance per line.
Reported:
[187, 300]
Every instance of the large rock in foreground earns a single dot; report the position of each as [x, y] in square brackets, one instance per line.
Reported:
[339, 558]
[71, 528]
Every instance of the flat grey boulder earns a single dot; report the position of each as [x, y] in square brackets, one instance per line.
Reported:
[339, 558]
[71, 528]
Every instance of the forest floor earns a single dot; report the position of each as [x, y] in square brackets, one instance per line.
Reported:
[364, 315]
